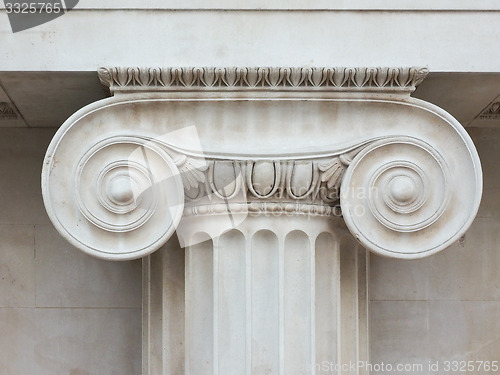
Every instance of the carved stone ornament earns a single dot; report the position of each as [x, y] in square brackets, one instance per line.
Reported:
[176, 144]
[284, 79]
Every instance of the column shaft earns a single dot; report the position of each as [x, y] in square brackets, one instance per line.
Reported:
[265, 298]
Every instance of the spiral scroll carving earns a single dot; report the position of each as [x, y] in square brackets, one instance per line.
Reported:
[396, 191]
[129, 195]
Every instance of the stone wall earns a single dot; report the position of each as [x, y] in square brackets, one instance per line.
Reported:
[61, 311]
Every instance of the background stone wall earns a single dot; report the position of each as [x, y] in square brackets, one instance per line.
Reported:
[61, 311]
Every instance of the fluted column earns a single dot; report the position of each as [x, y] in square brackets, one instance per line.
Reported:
[259, 189]
[274, 294]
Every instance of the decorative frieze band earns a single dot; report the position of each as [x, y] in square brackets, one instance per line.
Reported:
[286, 79]
[306, 179]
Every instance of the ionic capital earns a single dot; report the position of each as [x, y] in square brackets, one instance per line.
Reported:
[122, 174]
